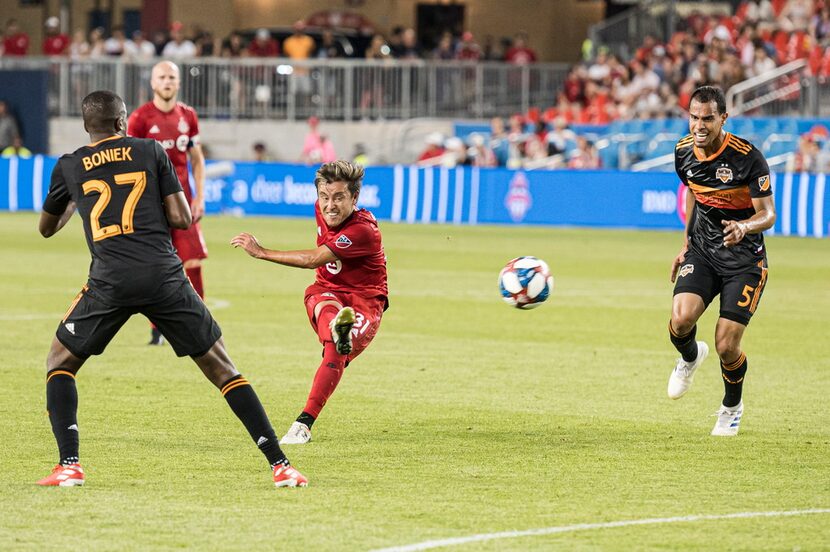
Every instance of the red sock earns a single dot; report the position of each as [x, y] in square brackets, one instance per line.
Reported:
[195, 275]
[325, 380]
[324, 318]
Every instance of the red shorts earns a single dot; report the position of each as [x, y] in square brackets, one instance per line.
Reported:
[368, 313]
[190, 243]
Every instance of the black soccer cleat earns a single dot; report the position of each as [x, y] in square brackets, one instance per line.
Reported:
[155, 337]
[341, 330]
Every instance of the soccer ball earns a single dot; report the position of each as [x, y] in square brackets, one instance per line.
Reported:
[525, 282]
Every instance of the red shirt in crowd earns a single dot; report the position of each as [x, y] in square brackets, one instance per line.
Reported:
[520, 56]
[176, 131]
[16, 44]
[55, 45]
[269, 48]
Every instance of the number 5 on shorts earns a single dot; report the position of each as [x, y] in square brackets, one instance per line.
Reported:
[747, 295]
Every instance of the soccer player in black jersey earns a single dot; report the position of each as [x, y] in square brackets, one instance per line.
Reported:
[728, 206]
[127, 194]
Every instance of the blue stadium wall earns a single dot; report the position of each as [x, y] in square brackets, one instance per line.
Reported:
[462, 195]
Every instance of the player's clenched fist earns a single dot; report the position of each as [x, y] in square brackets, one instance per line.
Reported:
[248, 242]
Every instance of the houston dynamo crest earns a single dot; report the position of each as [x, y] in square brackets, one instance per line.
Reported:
[518, 199]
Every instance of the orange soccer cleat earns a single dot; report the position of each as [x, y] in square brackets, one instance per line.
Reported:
[66, 476]
[286, 476]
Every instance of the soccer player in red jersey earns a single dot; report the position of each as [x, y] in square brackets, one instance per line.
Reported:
[176, 126]
[346, 302]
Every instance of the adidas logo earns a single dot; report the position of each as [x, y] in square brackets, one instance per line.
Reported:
[70, 327]
[154, 130]
[342, 242]
[73, 426]
[261, 441]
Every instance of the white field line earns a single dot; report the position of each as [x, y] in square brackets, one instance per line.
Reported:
[213, 304]
[427, 545]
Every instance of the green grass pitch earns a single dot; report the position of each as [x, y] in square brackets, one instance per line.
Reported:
[464, 417]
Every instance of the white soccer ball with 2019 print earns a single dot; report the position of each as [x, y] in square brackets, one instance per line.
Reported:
[525, 282]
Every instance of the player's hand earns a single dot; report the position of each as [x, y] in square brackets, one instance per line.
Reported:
[248, 242]
[675, 265]
[733, 232]
[197, 209]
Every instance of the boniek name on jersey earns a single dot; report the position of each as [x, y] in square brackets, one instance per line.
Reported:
[106, 156]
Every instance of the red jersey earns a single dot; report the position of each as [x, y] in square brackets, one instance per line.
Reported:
[16, 44]
[176, 131]
[361, 264]
[55, 45]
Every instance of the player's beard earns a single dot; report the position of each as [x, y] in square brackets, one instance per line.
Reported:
[165, 95]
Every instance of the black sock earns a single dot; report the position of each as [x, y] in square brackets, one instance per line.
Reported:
[62, 406]
[245, 404]
[733, 380]
[306, 418]
[685, 344]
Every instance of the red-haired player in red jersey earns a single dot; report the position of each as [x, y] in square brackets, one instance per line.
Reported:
[346, 302]
[176, 126]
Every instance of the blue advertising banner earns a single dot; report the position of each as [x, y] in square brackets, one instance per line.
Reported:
[461, 195]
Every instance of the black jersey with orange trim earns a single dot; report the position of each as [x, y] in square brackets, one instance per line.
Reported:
[724, 185]
[119, 185]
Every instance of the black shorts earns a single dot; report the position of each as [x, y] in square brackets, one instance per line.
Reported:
[184, 320]
[739, 293]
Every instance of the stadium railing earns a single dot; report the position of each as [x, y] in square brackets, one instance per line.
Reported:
[786, 90]
[280, 88]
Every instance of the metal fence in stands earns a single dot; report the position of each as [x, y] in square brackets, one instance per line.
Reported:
[331, 89]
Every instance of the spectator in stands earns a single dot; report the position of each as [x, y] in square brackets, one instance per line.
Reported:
[97, 48]
[499, 142]
[143, 49]
[409, 47]
[55, 43]
[370, 82]
[16, 149]
[434, 150]
[179, 47]
[299, 47]
[329, 47]
[118, 44]
[159, 40]
[207, 45]
[520, 53]
[444, 50]
[796, 15]
[480, 152]
[8, 126]
[807, 158]
[756, 11]
[455, 153]
[79, 47]
[467, 48]
[260, 153]
[317, 148]
[360, 155]
[233, 46]
[574, 84]
[561, 138]
[763, 63]
[15, 41]
[263, 45]
[489, 52]
[820, 26]
[585, 156]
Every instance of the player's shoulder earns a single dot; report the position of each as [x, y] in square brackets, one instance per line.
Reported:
[142, 110]
[685, 143]
[365, 216]
[186, 108]
[741, 145]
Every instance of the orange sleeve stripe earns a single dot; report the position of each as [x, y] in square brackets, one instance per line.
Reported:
[738, 145]
[233, 385]
[54, 373]
[740, 142]
[737, 364]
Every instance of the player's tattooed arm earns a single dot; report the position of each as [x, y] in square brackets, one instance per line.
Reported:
[763, 219]
[678, 260]
[51, 224]
[303, 258]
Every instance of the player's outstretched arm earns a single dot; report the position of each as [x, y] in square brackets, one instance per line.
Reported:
[304, 258]
[177, 211]
[51, 224]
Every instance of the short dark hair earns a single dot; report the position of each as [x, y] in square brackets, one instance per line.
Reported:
[706, 94]
[340, 171]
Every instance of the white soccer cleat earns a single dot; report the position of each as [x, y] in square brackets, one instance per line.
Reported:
[684, 373]
[729, 420]
[341, 330]
[298, 434]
